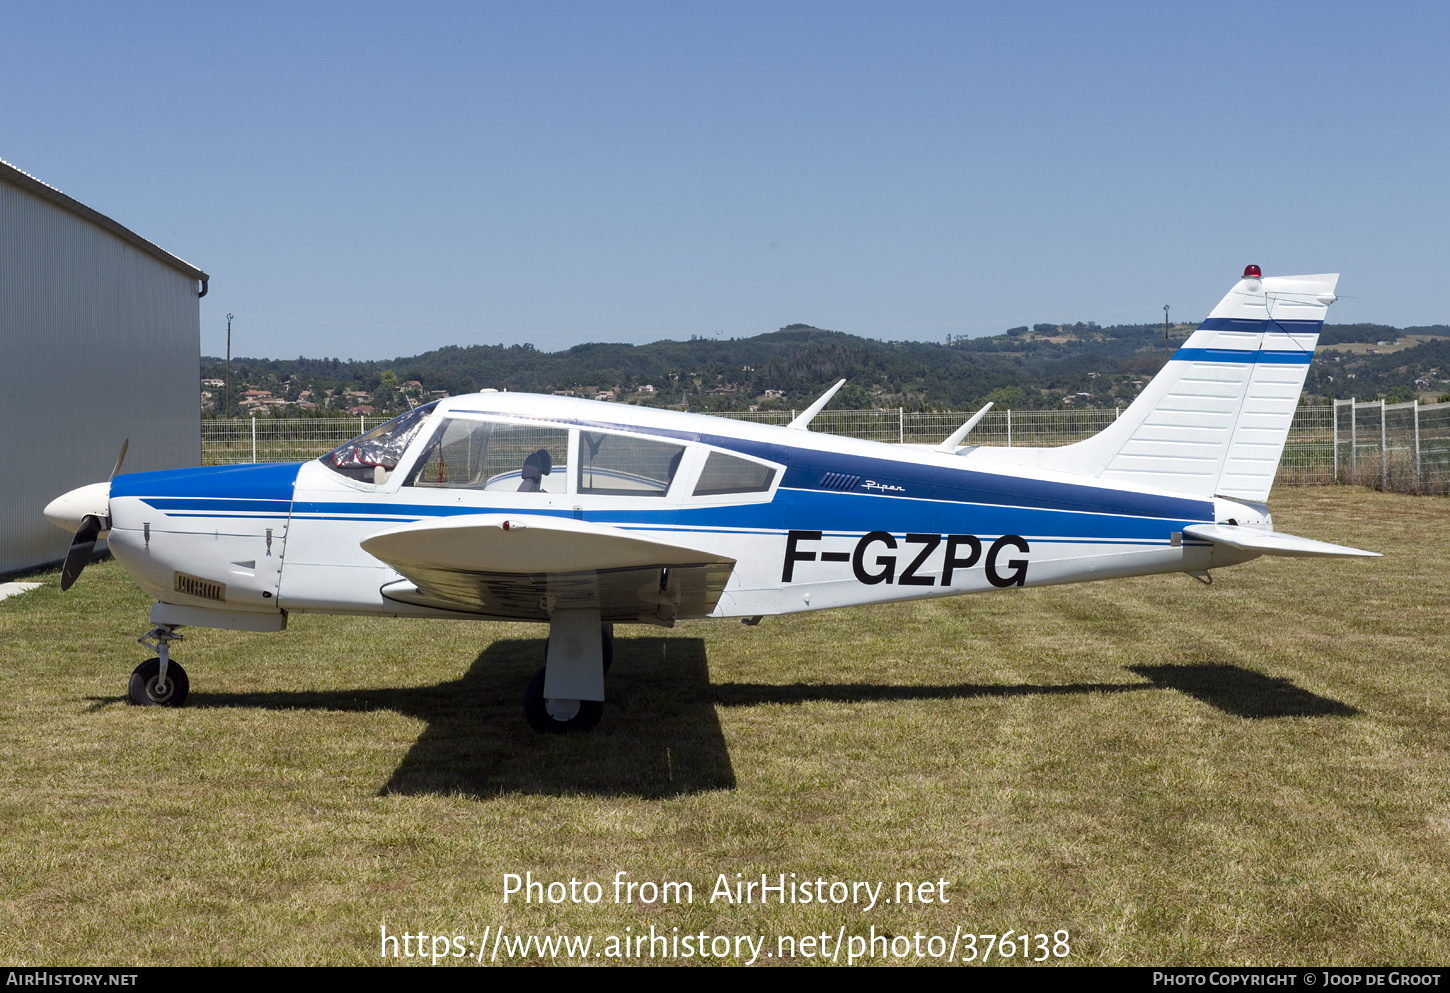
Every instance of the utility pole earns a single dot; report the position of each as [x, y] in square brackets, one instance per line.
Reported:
[229, 368]
[1165, 329]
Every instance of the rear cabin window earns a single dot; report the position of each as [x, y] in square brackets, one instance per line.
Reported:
[619, 465]
[495, 456]
[725, 474]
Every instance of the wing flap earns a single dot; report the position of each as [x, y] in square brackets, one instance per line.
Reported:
[1273, 542]
[526, 566]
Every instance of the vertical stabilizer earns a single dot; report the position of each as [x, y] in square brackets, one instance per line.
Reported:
[1213, 422]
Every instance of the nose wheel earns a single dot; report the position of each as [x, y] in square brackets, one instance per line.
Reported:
[148, 690]
[159, 682]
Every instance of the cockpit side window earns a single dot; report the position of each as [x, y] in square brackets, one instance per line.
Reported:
[499, 456]
[726, 474]
[619, 465]
[371, 458]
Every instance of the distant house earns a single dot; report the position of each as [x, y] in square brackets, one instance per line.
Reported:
[604, 395]
[647, 388]
[359, 410]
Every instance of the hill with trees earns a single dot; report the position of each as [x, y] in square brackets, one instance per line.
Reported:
[1042, 366]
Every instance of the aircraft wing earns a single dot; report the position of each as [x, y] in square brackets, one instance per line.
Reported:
[1273, 542]
[524, 566]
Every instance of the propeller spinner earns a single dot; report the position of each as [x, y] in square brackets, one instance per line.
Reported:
[86, 511]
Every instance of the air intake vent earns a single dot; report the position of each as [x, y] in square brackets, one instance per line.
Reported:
[838, 481]
[204, 588]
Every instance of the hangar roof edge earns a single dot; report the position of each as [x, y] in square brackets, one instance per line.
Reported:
[30, 184]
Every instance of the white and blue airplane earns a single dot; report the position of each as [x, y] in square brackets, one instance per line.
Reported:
[582, 515]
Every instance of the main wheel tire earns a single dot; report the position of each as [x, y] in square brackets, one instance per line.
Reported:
[536, 711]
[143, 689]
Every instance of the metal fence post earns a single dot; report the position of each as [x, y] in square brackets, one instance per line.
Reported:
[1417, 444]
[1353, 442]
[254, 437]
[1009, 427]
[901, 425]
[1334, 415]
[1384, 453]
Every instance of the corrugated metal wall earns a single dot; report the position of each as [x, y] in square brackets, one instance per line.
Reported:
[99, 342]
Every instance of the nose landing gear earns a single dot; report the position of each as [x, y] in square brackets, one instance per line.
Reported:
[159, 682]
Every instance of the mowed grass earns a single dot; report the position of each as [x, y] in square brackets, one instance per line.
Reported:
[1253, 773]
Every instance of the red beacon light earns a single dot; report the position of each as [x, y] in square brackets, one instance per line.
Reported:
[1252, 272]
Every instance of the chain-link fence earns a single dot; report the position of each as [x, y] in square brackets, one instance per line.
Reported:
[1404, 446]
[1027, 428]
[1392, 446]
[267, 439]
[1308, 458]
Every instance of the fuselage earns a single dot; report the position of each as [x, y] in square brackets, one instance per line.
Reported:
[810, 520]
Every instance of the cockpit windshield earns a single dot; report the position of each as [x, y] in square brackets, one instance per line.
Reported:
[371, 457]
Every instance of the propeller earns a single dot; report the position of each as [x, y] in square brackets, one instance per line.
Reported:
[80, 550]
[84, 543]
[119, 459]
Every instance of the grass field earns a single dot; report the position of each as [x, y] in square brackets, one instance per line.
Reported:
[1252, 773]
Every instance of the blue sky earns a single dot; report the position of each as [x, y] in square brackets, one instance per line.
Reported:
[369, 181]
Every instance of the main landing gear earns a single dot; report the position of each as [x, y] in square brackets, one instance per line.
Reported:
[568, 693]
[159, 682]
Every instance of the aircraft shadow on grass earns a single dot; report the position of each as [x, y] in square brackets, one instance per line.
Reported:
[662, 736]
[1243, 692]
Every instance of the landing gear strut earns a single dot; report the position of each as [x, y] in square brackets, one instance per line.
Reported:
[159, 682]
[568, 693]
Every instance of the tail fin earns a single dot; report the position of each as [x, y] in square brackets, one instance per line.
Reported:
[1214, 421]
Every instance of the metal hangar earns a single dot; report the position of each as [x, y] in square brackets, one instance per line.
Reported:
[100, 341]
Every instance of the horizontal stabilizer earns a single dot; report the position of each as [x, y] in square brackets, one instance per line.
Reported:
[1273, 542]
